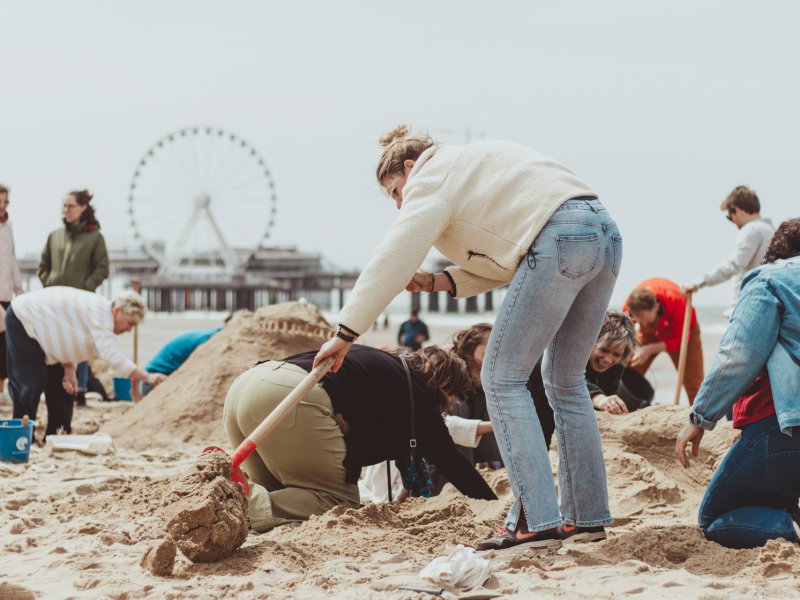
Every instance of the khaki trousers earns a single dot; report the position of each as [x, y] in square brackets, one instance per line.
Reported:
[693, 375]
[298, 471]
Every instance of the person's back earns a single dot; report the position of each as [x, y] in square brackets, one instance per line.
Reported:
[175, 352]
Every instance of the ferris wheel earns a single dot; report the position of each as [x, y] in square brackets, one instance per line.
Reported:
[201, 198]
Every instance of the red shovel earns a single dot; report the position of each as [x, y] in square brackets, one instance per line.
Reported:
[272, 420]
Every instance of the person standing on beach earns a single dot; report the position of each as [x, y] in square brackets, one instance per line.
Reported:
[753, 496]
[10, 281]
[743, 210]
[659, 307]
[413, 332]
[506, 215]
[50, 331]
[75, 255]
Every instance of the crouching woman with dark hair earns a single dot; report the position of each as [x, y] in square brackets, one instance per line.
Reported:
[753, 496]
[358, 416]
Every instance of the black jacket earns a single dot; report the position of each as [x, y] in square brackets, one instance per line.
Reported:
[371, 393]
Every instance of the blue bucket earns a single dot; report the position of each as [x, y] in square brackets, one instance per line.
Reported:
[15, 440]
[122, 388]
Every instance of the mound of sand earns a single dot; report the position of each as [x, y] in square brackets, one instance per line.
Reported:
[187, 407]
[207, 512]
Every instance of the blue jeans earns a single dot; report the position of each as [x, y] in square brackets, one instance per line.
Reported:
[758, 483]
[82, 373]
[554, 307]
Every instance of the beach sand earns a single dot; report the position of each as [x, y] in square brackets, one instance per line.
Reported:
[77, 526]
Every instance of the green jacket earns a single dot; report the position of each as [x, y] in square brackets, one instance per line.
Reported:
[74, 257]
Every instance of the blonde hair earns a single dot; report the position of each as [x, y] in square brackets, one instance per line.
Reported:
[399, 146]
[618, 332]
[132, 304]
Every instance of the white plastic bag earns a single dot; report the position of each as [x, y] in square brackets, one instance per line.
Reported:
[99, 443]
[462, 570]
[373, 487]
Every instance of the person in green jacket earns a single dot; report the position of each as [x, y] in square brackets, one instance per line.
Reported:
[75, 256]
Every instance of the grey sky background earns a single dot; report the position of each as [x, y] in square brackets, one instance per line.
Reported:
[662, 107]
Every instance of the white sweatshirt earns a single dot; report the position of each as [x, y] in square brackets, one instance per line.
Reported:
[482, 205]
[751, 246]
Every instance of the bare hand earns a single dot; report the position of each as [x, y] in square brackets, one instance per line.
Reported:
[155, 378]
[335, 347]
[612, 404]
[422, 281]
[689, 434]
[640, 356]
[689, 289]
[70, 381]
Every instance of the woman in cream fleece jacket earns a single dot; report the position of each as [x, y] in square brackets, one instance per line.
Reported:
[506, 215]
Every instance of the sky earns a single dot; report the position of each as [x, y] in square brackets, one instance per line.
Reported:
[661, 107]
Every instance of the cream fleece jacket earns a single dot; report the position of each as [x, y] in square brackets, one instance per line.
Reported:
[482, 205]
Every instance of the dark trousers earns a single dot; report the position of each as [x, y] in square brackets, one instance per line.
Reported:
[29, 376]
[3, 363]
[753, 495]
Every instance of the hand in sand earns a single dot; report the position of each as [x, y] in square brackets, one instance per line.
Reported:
[336, 347]
[70, 380]
[689, 434]
[611, 404]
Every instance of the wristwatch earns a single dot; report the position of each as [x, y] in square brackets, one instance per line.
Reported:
[698, 421]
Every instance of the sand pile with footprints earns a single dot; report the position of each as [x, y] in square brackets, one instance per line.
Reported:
[82, 526]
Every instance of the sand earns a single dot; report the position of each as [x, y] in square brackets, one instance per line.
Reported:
[80, 526]
[206, 512]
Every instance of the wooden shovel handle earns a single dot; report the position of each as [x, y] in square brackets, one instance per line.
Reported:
[687, 319]
[274, 418]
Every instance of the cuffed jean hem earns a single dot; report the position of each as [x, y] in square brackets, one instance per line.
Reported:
[545, 527]
[596, 523]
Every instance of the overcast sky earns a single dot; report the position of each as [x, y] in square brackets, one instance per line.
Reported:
[661, 107]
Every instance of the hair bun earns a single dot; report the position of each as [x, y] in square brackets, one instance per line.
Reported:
[392, 136]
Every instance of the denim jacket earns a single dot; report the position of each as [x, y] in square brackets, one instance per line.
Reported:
[764, 332]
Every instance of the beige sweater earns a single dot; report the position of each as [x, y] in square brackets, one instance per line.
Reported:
[481, 205]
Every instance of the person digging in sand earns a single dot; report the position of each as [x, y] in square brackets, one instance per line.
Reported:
[659, 307]
[506, 215]
[753, 496]
[358, 416]
[604, 370]
[50, 331]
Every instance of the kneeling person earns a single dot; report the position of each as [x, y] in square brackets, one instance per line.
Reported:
[358, 416]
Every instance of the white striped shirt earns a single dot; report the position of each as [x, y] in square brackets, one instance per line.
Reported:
[71, 326]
